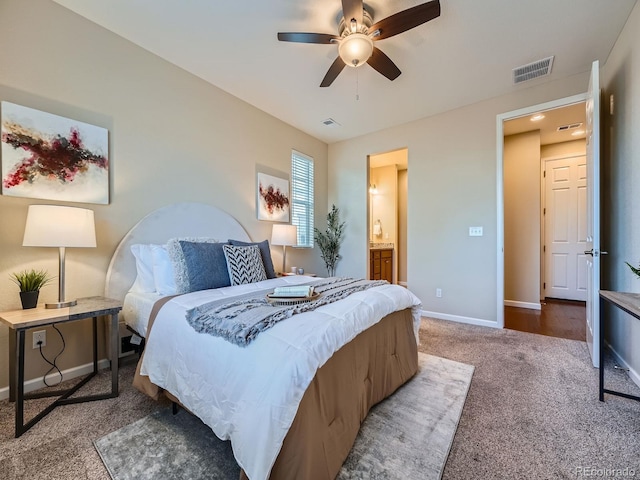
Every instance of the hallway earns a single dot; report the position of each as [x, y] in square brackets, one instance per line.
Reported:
[558, 318]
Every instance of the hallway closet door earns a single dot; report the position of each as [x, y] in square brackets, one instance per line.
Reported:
[565, 228]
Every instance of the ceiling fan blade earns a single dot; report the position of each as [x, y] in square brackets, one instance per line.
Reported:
[383, 64]
[301, 37]
[334, 70]
[352, 9]
[406, 20]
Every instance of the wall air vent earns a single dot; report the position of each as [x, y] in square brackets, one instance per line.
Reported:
[532, 70]
[572, 126]
[330, 122]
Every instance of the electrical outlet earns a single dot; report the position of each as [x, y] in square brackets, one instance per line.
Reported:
[39, 336]
[475, 231]
[439, 292]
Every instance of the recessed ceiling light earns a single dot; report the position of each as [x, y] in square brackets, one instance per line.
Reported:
[577, 133]
[537, 118]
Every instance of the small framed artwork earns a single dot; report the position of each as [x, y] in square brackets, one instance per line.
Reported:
[53, 158]
[272, 198]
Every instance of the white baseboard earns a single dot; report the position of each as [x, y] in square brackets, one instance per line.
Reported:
[530, 306]
[53, 378]
[633, 375]
[460, 319]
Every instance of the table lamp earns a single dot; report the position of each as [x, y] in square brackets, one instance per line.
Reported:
[58, 226]
[285, 235]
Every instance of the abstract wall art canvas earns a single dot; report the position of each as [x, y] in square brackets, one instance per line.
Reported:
[273, 198]
[51, 157]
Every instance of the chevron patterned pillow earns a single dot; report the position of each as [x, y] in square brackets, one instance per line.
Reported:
[244, 264]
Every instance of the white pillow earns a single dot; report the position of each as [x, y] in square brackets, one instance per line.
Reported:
[144, 282]
[164, 276]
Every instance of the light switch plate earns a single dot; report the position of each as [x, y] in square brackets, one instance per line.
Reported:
[475, 231]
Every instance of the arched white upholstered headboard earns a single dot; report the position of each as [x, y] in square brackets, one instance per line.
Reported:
[177, 220]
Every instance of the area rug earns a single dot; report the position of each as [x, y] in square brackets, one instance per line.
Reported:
[408, 435]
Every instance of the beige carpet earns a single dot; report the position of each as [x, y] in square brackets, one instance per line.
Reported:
[407, 436]
[532, 412]
[60, 446]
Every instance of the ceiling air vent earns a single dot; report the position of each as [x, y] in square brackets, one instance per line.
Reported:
[563, 128]
[330, 122]
[532, 70]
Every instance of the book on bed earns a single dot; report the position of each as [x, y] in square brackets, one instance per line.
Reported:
[293, 291]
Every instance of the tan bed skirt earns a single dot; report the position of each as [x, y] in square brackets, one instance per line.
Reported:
[362, 373]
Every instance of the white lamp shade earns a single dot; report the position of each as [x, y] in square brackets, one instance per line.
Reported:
[284, 235]
[355, 49]
[58, 226]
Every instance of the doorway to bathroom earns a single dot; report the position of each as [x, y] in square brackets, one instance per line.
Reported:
[387, 216]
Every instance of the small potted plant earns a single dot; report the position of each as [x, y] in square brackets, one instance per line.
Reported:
[329, 241]
[30, 283]
[634, 269]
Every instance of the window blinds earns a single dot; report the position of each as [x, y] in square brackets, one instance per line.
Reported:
[302, 197]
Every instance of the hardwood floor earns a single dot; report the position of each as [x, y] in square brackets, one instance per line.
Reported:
[558, 318]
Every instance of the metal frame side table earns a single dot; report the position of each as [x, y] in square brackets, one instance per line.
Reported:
[629, 303]
[22, 320]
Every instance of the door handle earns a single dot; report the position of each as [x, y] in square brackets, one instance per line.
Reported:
[590, 252]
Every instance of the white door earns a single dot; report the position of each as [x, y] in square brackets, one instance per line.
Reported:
[565, 228]
[593, 213]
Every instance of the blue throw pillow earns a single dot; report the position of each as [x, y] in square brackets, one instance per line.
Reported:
[205, 264]
[265, 251]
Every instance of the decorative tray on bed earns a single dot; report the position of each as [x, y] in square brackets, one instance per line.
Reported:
[280, 300]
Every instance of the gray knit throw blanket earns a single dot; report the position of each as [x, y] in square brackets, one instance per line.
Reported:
[241, 320]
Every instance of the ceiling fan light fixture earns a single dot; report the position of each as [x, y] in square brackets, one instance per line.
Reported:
[355, 49]
[357, 32]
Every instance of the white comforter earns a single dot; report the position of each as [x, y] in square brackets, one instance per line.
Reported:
[250, 395]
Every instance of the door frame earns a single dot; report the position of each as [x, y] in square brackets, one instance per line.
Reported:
[370, 220]
[500, 119]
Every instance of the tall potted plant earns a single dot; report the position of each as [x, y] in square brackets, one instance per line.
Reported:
[329, 241]
[30, 283]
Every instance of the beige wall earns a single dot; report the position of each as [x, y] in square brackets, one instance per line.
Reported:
[452, 186]
[621, 177]
[563, 149]
[522, 219]
[173, 138]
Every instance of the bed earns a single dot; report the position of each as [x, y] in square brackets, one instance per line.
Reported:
[291, 401]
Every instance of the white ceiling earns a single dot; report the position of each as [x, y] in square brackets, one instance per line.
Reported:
[464, 56]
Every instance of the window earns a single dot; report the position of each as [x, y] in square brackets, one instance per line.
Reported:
[302, 197]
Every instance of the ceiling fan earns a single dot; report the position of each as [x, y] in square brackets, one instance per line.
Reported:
[357, 32]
